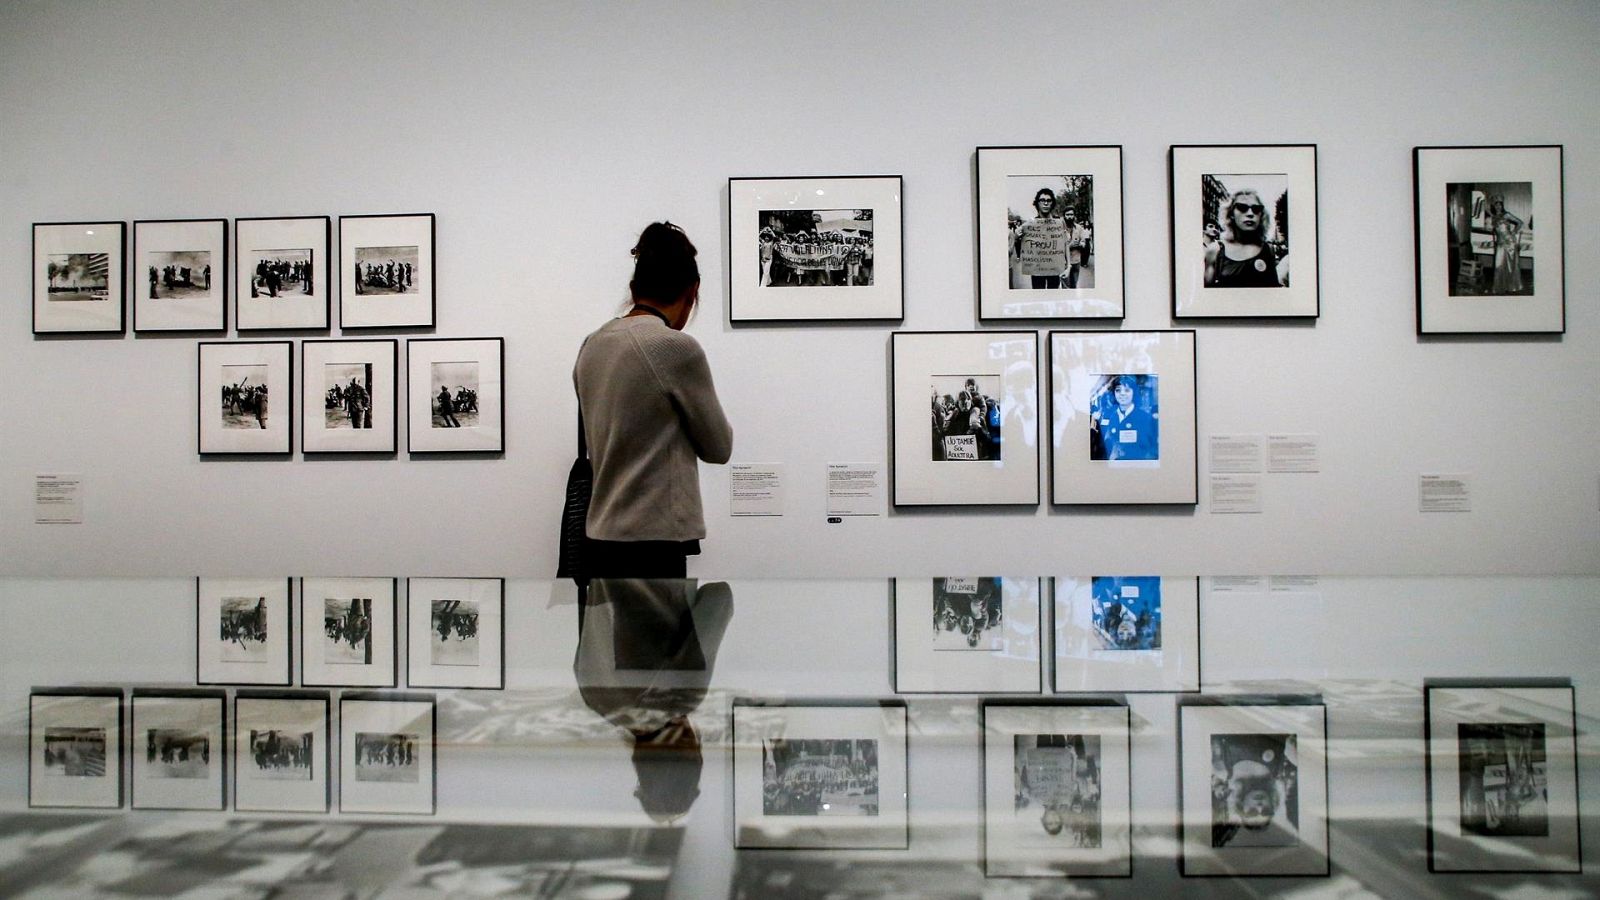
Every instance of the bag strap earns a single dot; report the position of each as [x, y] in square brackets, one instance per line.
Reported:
[583, 440]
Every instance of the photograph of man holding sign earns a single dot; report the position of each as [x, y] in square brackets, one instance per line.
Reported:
[1049, 248]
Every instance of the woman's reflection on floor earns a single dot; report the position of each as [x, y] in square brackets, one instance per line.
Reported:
[646, 649]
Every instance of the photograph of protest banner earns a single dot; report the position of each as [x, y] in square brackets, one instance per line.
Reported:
[819, 777]
[281, 752]
[966, 418]
[386, 266]
[456, 632]
[1056, 780]
[837, 239]
[388, 753]
[243, 628]
[78, 281]
[1125, 418]
[281, 279]
[967, 614]
[1050, 231]
[455, 402]
[1244, 230]
[178, 740]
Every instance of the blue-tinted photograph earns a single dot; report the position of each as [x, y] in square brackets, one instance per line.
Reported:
[1127, 612]
[1125, 418]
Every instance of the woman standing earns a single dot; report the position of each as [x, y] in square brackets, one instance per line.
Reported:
[650, 413]
[1242, 258]
[1507, 248]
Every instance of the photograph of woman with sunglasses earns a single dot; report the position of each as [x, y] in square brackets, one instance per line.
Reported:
[1246, 244]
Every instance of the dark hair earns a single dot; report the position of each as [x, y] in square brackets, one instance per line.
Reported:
[664, 266]
[1043, 192]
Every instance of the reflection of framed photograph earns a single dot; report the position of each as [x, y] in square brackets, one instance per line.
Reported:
[179, 749]
[815, 249]
[455, 401]
[388, 753]
[456, 632]
[282, 273]
[1253, 786]
[1057, 796]
[180, 275]
[978, 442]
[280, 751]
[1502, 772]
[1122, 417]
[355, 645]
[1479, 270]
[386, 271]
[75, 748]
[242, 628]
[1050, 233]
[974, 635]
[246, 397]
[823, 775]
[1127, 634]
[1234, 209]
[78, 285]
[348, 396]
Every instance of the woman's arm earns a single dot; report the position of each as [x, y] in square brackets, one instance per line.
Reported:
[695, 397]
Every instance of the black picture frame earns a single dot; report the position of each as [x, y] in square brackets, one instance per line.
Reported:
[1046, 703]
[333, 445]
[312, 316]
[420, 432]
[220, 752]
[116, 270]
[221, 302]
[326, 755]
[268, 441]
[959, 658]
[348, 298]
[349, 781]
[201, 604]
[420, 622]
[114, 762]
[308, 633]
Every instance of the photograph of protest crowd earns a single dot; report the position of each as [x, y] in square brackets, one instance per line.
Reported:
[1050, 231]
[75, 752]
[347, 401]
[1057, 786]
[347, 630]
[1255, 800]
[814, 777]
[966, 418]
[386, 270]
[175, 274]
[277, 273]
[244, 629]
[967, 614]
[177, 753]
[454, 387]
[387, 757]
[815, 247]
[455, 633]
[244, 396]
[279, 755]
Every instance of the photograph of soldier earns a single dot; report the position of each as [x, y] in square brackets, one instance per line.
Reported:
[815, 247]
[966, 614]
[277, 755]
[244, 396]
[73, 277]
[347, 402]
[1490, 238]
[347, 630]
[1127, 611]
[1057, 785]
[455, 633]
[1050, 231]
[275, 273]
[177, 753]
[966, 418]
[172, 274]
[386, 757]
[1125, 418]
[244, 629]
[1255, 790]
[819, 777]
[1246, 230]
[1503, 790]
[75, 752]
[455, 394]
[386, 270]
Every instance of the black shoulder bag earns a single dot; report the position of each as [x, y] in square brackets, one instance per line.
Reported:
[575, 512]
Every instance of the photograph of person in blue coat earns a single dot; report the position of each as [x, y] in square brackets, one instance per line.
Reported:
[1126, 418]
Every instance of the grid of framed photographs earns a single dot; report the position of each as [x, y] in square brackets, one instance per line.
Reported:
[1502, 775]
[282, 272]
[815, 249]
[180, 275]
[456, 633]
[75, 748]
[386, 271]
[1478, 268]
[985, 635]
[79, 285]
[820, 775]
[1058, 212]
[180, 759]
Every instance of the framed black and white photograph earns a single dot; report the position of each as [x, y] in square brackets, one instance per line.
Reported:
[282, 273]
[1253, 786]
[388, 753]
[815, 249]
[245, 403]
[386, 271]
[75, 748]
[820, 775]
[456, 633]
[78, 281]
[967, 635]
[1057, 791]
[1126, 633]
[1502, 773]
[242, 631]
[1234, 210]
[180, 275]
[348, 632]
[1050, 233]
[977, 444]
[281, 751]
[348, 396]
[1122, 417]
[1479, 270]
[455, 399]
[180, 758]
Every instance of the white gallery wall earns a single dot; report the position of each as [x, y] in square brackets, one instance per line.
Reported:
[545, 136]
